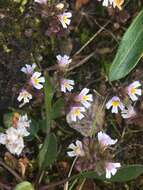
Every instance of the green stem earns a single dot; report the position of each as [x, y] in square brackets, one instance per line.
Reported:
[82, 184]
[67, 183]
[73, 184]
[48, 91]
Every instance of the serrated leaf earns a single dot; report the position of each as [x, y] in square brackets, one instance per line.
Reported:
[124, 174]
[24, 186]
[48, 152]
[130, 50]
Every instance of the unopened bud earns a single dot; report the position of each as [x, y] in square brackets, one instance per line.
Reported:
[60, 6]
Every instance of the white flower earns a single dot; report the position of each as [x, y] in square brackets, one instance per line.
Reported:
[41, 1]
[75, 113]
[2, 138]
[65, 19]
[115, 103]
[111, 169]
[16, 147]
[23, 121]
[77, 149]
[22, 124]
[25, 96]
[22, 131]
[12, 135]
[60, 6]
[84, 98]
[115, 3]
[129, 112]
[67, 85]
[105, 140]
[63, 61]
[107, 3]
[13, 139]
[36, 80]
[28, 69]
[133, 90]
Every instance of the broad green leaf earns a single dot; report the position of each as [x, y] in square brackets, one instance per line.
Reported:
[48, 89]
[33, 129]
[130, 50]
[124, 174]
[25, 185]
[48, 152]
[7, 119]
[43, 125]
[57, 108]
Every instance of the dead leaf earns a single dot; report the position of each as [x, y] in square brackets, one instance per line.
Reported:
[23, 164]
[10, 160]
[80, 3]
[15, 119]
[119, 3]
[63, 167]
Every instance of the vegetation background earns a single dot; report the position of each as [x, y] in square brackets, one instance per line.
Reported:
[92, 41]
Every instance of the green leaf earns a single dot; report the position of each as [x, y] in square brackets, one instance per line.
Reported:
[43, 125]
[48, 152]
[124, 174]
[57, 108]
[7, 119]
[48, 89]
[33, 129]
[130, 50]
[25, 185]
[49, 92]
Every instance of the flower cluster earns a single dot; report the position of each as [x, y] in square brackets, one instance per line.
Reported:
[133, 91]
[80, 102]
[66, 85]
[63, 61]
[35, 80]
[94, 155]
[114, 3]
[13, 138]
[63, 17]
[105, 141]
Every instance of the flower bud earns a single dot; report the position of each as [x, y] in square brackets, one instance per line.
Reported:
[60, 6]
